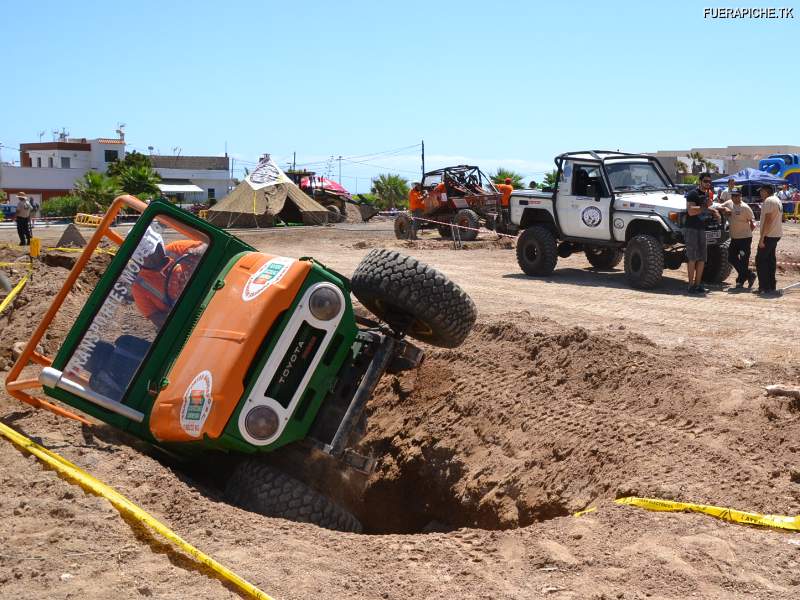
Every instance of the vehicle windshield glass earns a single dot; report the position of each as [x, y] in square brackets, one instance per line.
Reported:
[629, 176]
[139, 302]
[432, 180]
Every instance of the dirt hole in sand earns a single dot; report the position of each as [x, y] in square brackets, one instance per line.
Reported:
[525, 422]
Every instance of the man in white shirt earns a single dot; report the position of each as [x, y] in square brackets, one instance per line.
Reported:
[725, 195]
[770, 231]
[742, 223]
[23, 219]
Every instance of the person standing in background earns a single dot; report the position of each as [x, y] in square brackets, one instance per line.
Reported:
[23, 219]
[742, 223]
[770, 232]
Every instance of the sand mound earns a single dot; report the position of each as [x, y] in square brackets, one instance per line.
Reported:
[529, 420]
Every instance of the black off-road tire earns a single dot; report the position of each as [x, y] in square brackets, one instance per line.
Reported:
[414, 298]
[445, 231]
[403, 227]
[603, 257]
[537, 253]
[644, 261]
[467, 218]
[717, 268]
[335, 215]
[263, 489]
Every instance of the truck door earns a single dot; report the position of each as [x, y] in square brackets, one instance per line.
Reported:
[583, 201]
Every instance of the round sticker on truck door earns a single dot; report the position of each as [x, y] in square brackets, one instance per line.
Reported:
[196, 404]
[267, 274]
[591, 216]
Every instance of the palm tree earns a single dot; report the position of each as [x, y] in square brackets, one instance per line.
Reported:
[550, 179]
[681, 167]
[502, 174]
[391, 190]
[139, 180]
[96, 191]
[704, 163]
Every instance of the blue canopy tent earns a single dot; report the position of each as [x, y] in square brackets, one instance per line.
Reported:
[751, 176]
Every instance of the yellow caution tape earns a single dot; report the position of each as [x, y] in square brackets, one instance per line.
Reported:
[96, 250]
[726, 514]
[13, 293]
[586, 511]
[126, 507]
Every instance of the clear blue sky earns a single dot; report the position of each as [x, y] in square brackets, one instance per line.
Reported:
[509, 83]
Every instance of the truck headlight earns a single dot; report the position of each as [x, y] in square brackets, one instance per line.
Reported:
[324, 303]
[261, 422]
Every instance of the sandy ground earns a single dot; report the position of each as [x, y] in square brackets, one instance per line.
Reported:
[572, 390]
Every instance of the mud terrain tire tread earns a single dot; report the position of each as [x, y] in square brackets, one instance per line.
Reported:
[603, 257]
[445, 231]
[261, 488]
[717, 268]
[335, 215]
[650, 253]
[414, 298]
[467, 218]
[544, 242]
[403, 227]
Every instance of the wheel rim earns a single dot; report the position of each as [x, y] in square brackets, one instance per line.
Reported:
[530, 252]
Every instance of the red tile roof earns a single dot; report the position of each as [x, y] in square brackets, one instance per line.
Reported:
[110, 141]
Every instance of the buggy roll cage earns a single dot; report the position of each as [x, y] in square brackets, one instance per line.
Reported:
[463, 171]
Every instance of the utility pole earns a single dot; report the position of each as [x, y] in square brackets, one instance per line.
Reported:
[294, 161]
[423, 161]
[340, 169]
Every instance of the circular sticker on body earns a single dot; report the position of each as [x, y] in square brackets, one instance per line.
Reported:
[269, 273]
[591, 216]
[196, 404]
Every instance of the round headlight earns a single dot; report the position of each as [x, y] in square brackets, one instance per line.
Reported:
[324, 303]
[261, 422]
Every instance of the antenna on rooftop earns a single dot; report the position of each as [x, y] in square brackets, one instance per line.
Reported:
[41, 134]
[121, 130]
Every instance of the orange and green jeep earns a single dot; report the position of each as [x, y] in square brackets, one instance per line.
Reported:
[195, 342]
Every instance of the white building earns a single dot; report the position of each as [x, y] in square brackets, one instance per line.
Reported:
[193, 179]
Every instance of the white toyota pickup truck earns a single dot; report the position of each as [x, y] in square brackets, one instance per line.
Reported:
[609, 205]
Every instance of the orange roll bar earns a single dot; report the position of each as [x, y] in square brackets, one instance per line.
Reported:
[16, 386]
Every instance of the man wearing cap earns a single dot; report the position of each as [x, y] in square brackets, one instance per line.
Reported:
[770, 231]
[742, 223]
[23, 219]
[725, 195]
[163, 275]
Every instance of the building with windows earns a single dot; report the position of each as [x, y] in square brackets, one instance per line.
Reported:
[193, 179]
[50, 169]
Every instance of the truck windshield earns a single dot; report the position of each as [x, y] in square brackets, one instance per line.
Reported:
[136, 307]
[634, 176]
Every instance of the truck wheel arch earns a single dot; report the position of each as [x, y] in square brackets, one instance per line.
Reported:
[645, 226]
[538, 216]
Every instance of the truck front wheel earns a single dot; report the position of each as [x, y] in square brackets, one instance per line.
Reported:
[603, 257]
[467, 218]
[644, 261]
[717, 267]
[537, 252]
[414, 298]
[263, 489]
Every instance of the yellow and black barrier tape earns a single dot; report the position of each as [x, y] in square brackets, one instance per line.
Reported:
[726, 514]
[89, 483]
[13, 293]
[111, 251]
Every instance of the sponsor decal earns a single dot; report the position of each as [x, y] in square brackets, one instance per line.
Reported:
[196, 404]
[619, 223]
[269, 273]
[266, 173]
[591, 216]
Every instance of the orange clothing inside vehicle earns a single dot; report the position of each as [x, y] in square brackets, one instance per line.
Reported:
[506, 191]
[415, 200]
[150, 289]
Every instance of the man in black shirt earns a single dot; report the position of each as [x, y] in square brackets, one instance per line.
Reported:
[698, 211]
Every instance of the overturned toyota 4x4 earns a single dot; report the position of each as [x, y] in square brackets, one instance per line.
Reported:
[611, 205]
[195, 342]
